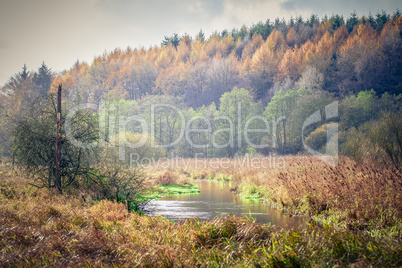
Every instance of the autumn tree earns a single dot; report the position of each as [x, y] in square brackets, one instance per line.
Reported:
[222, 77]
[251, 46]
[262, 70]
[292, 37]
[290, 65]
[197, 85]
[311, 79]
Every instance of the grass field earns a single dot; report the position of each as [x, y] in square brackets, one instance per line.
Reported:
[357, 210]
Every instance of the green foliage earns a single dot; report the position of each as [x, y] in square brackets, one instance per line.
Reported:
[34, 144]
[25, 73]
[173, 40]
[317, 139]
[265, 64]
[238, 107]
[336, 22]
[378, 140]
[84, 164]
[132, 148]
[356, 110]
[278, 113]
[43, 79]
[179, 189]
[113, 180]
[200, 36]
[264, 29]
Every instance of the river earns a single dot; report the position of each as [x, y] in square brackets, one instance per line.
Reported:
[215, 200]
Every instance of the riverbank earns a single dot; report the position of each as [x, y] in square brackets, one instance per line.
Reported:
[169, 183]
[354, 196]
[41, 228]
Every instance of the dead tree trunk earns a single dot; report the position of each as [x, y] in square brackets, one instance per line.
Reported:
[58, 141]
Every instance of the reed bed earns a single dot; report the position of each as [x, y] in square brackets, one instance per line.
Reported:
[40, 228]
[357, 196]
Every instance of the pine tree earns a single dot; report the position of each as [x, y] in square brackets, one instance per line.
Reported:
[174, 40]
[24, 74]
[43, 79]
[200, 36]
[352, 21]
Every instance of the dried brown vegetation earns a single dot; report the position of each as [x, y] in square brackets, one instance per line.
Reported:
[353, 195]
[39, 227]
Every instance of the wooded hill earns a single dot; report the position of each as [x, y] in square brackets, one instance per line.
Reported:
[280, 68]
[336, 55]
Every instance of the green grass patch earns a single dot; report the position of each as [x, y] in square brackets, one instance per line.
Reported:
[179, 189]
[222, 177]
[212, 177]
[252, 191]
[255, 196]
[163, 190]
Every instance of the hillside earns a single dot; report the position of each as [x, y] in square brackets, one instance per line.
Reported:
[335, 55]
[281, 69]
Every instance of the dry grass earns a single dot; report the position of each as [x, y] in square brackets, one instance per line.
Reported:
[169, 178]
[352, 195]
[40, 228]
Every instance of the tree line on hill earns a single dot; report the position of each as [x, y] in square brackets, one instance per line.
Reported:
[276, 73]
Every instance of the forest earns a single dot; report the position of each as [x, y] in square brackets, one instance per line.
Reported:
[280, 69]
[293, 90]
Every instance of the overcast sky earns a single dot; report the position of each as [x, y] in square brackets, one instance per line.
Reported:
[60, 32]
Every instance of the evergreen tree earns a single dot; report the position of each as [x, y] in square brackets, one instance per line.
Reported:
[200, 36]
[313, 20]
[43, 79]
[352, 21]
[174, 40]
[24, 74]
[381, 19]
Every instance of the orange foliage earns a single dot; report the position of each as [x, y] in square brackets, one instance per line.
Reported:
[292, 37]
[255, 43]
[166, 68]
[276, 41]
[290, 65]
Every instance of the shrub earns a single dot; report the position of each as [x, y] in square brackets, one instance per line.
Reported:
[134, 148]
[34, 144]
[318, 138]
[379, 141]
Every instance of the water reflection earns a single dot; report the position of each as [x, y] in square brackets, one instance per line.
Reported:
[214, 200]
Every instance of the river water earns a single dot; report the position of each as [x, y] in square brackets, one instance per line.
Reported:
[215, 200]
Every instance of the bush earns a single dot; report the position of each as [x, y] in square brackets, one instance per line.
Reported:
[318, 138]
[34, 144]
[121, 146]
[100, 171]
[379, 141]
[112, 180]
